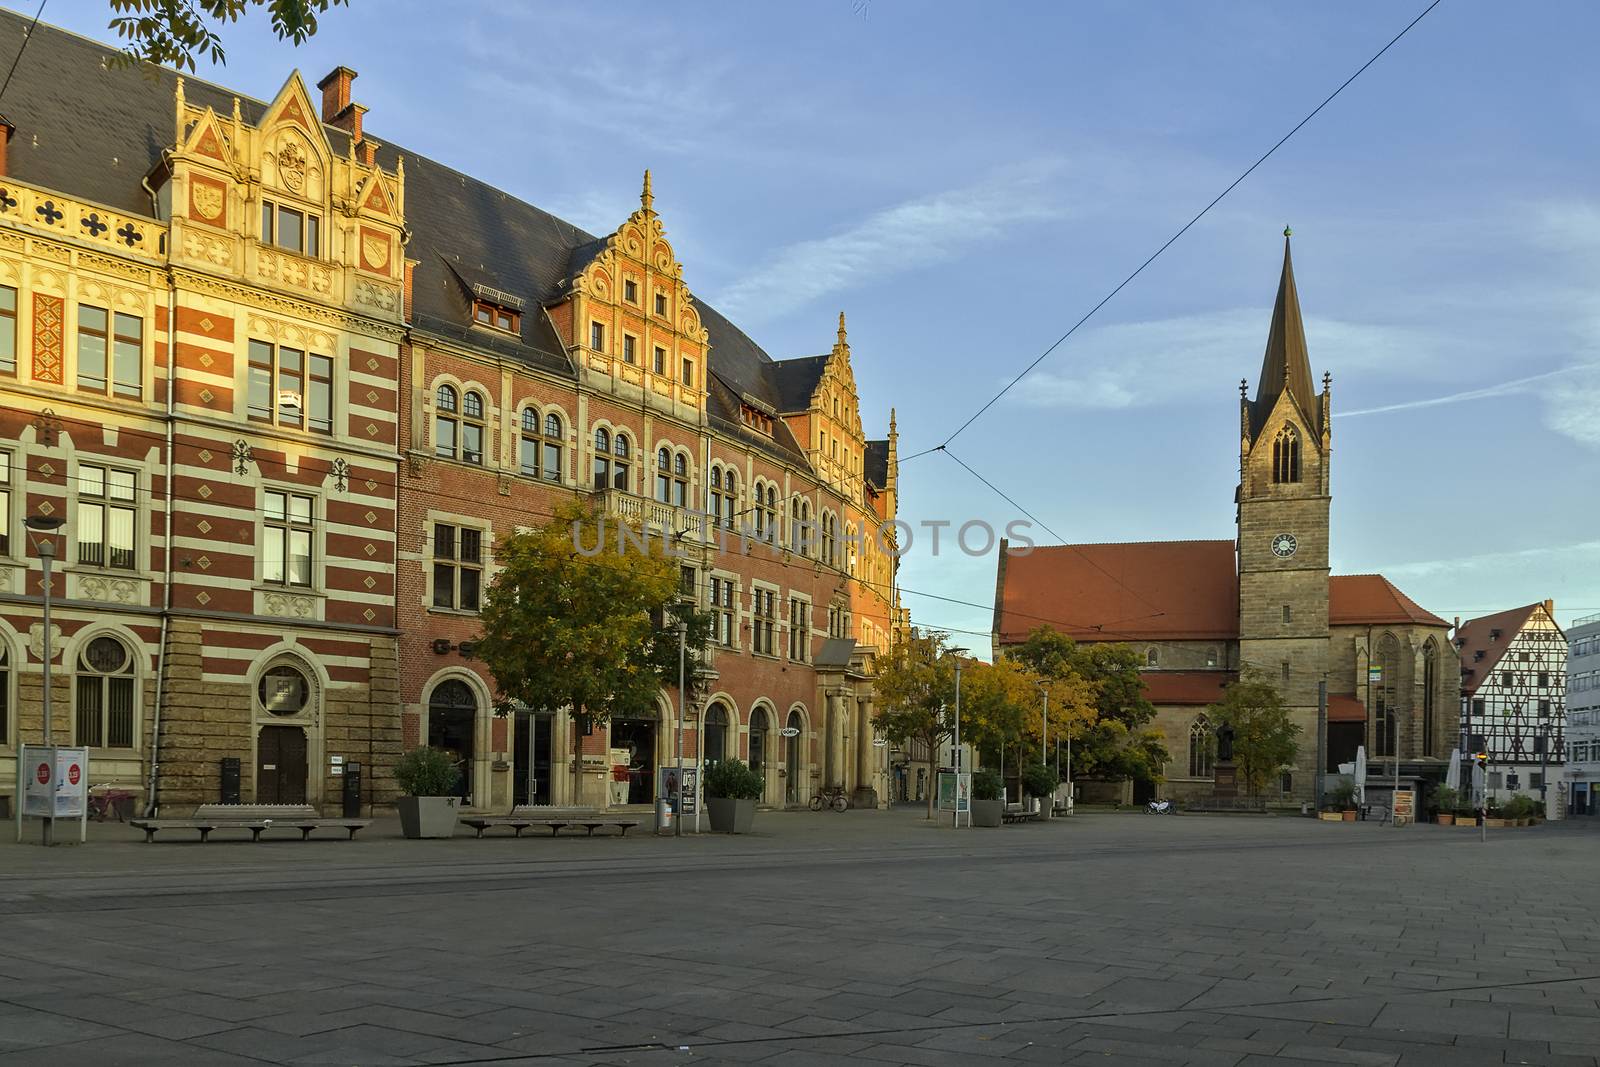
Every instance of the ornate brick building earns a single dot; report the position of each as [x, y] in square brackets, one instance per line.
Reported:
[378, 365]
[1196, 610]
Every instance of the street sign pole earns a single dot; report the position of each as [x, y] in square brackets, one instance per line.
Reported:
[47, 552]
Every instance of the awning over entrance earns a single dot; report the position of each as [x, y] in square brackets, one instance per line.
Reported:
[1343, 707]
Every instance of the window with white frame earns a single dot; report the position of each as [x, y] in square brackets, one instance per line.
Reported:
[721, 597]
[104, 690]
[288, 387]
[542, 437]
[764, 618]
[8, 330]
[288, 527]
[672, 477]
[457, 567]
[799, 630]
[110, 352]
[107, 507]
[612, 458]
[291, 229]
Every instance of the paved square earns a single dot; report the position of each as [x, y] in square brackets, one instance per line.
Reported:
[863, 937]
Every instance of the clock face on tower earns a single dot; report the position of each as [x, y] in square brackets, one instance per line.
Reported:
[1283, 545]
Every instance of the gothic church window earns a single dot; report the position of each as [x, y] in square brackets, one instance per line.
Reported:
[1201, 749]
[1286, 456]
[1384, 697]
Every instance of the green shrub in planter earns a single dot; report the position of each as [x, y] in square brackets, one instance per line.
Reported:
[1342, 797]
[986, 785]
[732, 779]
[1039, 781]
[1445, 799]
[426, 772]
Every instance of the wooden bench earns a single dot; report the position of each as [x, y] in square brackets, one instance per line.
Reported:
[519, 823]
[257, 818]
[1018, 815]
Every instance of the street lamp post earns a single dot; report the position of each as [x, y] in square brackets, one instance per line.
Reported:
[683, 644]
[958, 653]
[46, 547]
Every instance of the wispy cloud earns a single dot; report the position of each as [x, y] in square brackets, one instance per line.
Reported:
[1578, 554]
[927, 230]
[1159, 362]
[1530, 384]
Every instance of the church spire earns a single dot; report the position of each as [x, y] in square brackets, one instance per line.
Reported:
[841, 328]
[1286, 366]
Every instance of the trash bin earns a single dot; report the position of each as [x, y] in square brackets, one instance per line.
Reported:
[664, 816]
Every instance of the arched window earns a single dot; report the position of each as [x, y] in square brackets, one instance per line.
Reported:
[620, 455]
[1286, 455]
[830, 539]
[602, 458]
[800, 529]
[760, 725]
[1202, 749]
[1152, 658]
[724, 486]
[672, 477]
[472, 428]
[105, 693]
[542, 442]
[283, 689]
[1430, 682]
[716, 731]
[446, 410]
[793, 757]
[5, 688]
[1383, 696]
[452, 723]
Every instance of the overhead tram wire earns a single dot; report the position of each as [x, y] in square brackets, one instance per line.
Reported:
[944, 446]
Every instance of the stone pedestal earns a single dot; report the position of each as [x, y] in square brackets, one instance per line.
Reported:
[1226, 780]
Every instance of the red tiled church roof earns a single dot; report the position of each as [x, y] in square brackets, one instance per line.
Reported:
[1343, 707]
[1185, 687]
[1151, 590]
[1362, 599]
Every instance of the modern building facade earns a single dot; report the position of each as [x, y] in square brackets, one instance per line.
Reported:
[1583, 716]
[1199, 610]
[1514, 697]
[286, 385]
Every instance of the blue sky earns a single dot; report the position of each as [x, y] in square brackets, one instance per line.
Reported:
[966, 180]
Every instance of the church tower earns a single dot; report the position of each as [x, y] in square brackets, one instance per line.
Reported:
[1283, 500]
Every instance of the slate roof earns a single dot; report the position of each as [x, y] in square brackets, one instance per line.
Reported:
[1476, 636]
[98, 140]
[796, 380]
[876, 463]
[1286, 365]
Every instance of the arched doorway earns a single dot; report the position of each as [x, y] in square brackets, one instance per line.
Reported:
[716, 734]
[760, 727]
[282, 692]
[452, 722]
[794, 763]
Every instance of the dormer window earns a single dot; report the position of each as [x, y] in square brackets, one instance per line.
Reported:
[756, 420]
[495, 317]
[290, 229]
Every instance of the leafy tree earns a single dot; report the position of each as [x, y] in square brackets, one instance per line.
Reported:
[584, 630]
[1263, 737]
[175, 32]
[915, 684]
[1111, 732]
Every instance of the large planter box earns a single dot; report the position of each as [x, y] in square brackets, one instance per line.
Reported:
[987, 812]
[730, 816]
[1348, 816]
[427, 816]
[1444, 820]
[1330, 816]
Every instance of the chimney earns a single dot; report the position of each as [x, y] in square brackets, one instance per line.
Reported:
[367, 146]
[337, 108]
[6, 130]
[1550, 608]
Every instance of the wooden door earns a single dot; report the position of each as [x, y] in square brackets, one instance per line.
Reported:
[281, 765]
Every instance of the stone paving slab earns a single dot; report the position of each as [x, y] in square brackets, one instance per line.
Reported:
[869, 937]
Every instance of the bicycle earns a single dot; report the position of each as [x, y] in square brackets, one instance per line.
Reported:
[833, 797]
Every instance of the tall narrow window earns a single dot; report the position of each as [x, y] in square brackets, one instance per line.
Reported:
[1201, 748]
[5, 693]
[472, 428]
[659, 363]
[542, 438]
[287, 529]
[107, 504]
[763, 610]
[630, 293]
[1430, 682]
[92, 342]
[630, 347]
[672, 477]
[602, 455]
[1286, 455]
[260, 381]
[8, 330]
[799, 629]
[550, 469]
[769, 514]
[716, 735]
[597, 336]
[446, 412]
[688, 372]
[661, 303]
[5, 512]
[457, 567]
[830, 539]
[622, 455]
[105, 694]
[291, 386]
[1384, 695]
[724, 485]
[611, 456]
[319, 395]
[127, 362]
[800, 529]
[721, 597]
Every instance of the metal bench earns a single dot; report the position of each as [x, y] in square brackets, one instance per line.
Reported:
[257, 818]
[1011, 815]
[519, 823]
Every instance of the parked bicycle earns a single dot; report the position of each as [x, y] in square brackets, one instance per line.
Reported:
[831, 797]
